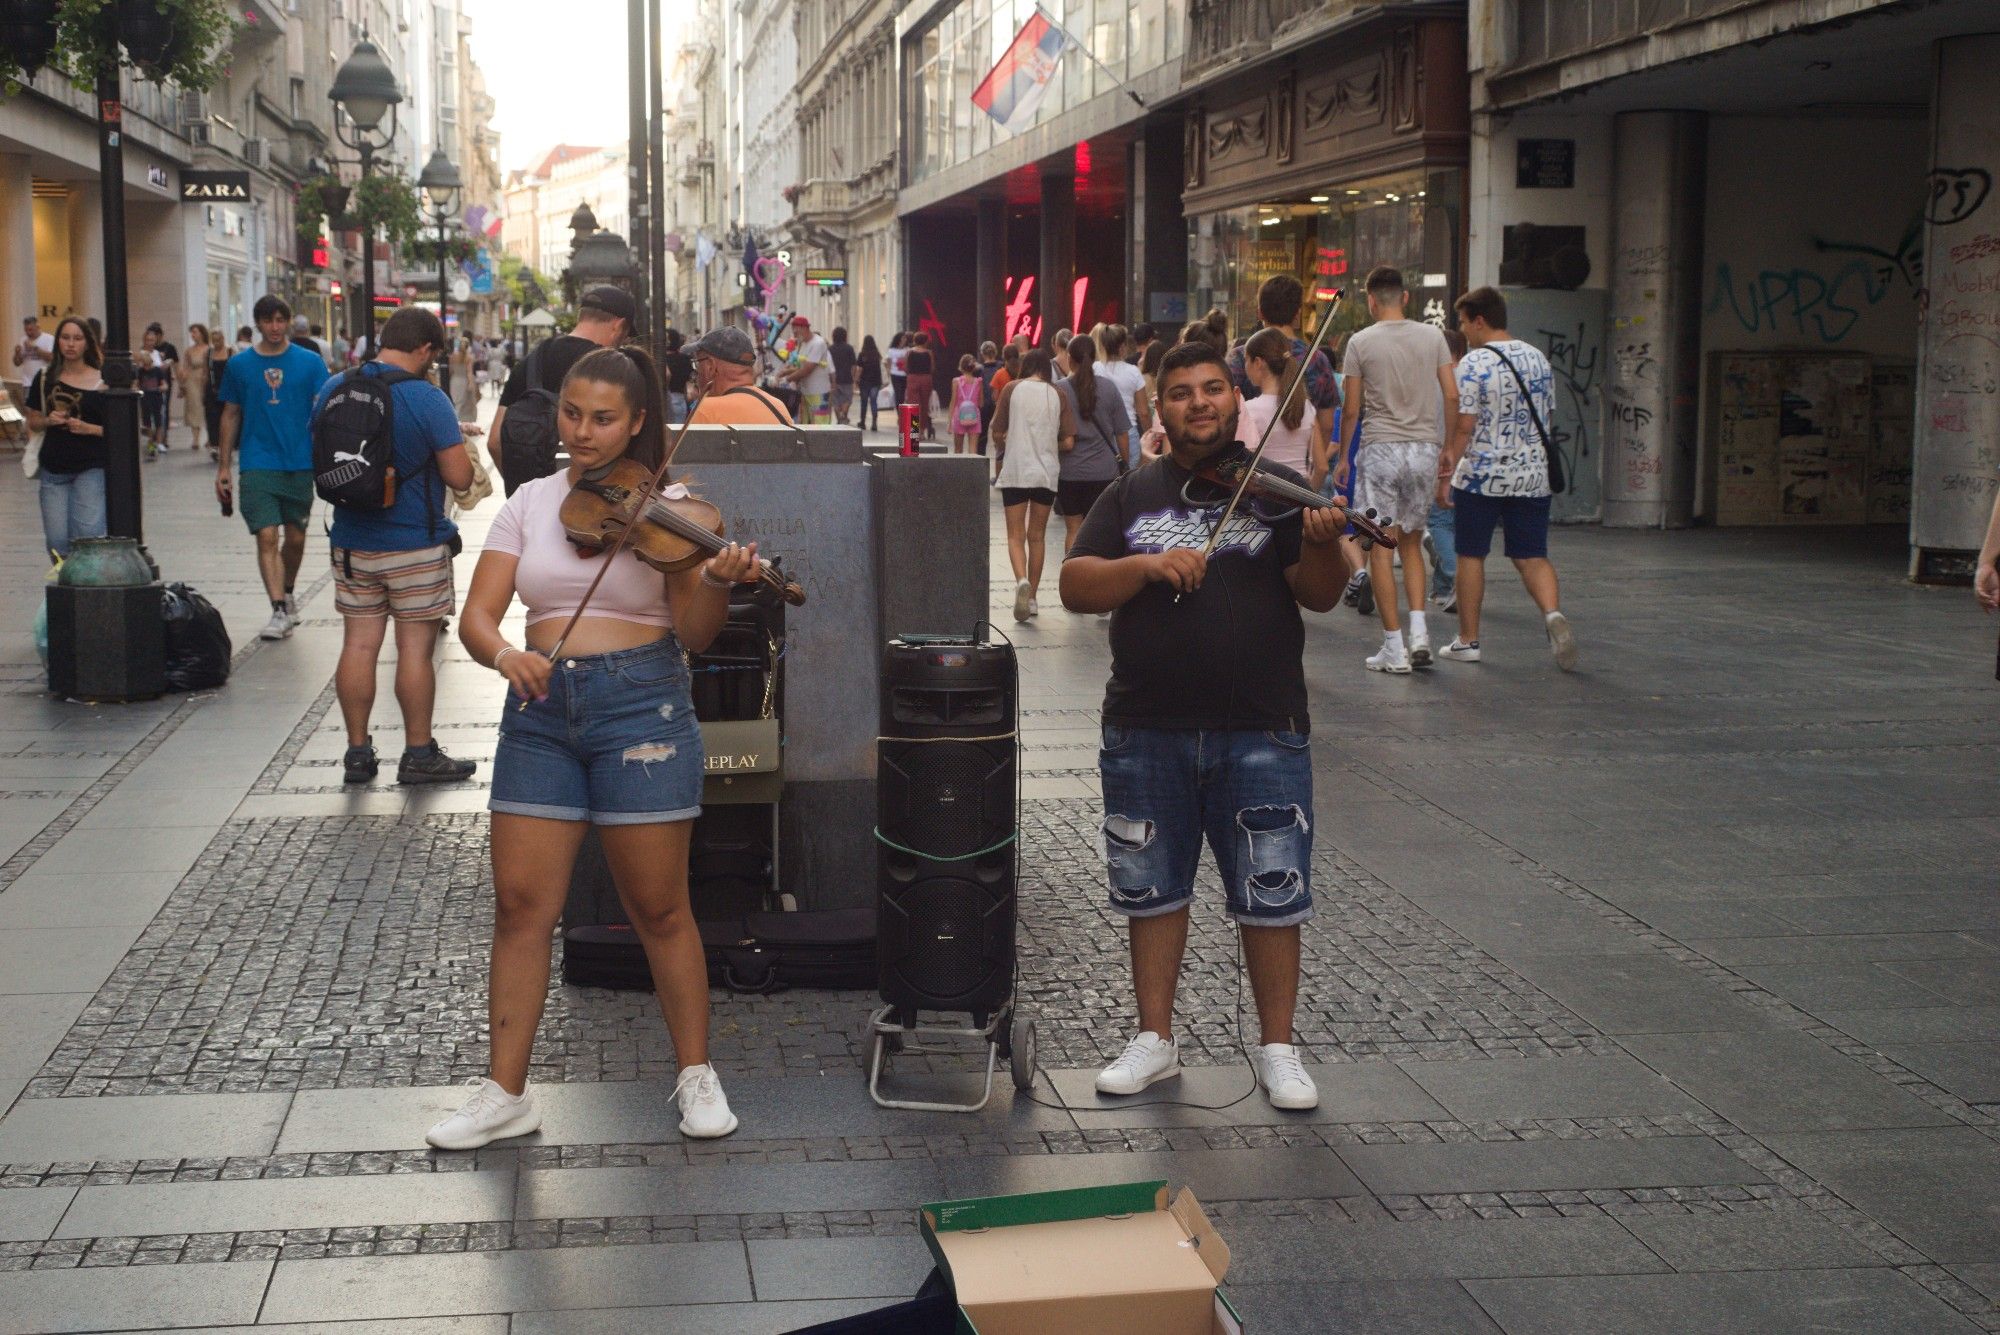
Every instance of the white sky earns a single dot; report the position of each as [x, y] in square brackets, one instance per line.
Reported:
[557, 80]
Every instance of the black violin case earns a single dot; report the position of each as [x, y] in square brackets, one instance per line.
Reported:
[757, 953]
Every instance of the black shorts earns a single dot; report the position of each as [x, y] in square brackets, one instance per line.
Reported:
[152, 408]
[1023, 495]
[1074, 499]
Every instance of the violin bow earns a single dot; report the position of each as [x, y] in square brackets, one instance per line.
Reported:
[1298, 384]
[625, 533]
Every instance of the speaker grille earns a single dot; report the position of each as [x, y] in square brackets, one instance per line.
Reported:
[943, 810]
[953, 944]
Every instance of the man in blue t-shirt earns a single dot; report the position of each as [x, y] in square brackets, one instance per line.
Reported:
[395, 563]
[267, 398]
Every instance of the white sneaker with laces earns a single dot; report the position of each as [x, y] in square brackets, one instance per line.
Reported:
[1562, 641]
[704, 1108]
[490, 1114]
[1420, 651]
[292, 611]
[1023, 595]
[1034, 607]
[1458, 651]
[1284, 1077]
[1392, 657]
[279, 627]
[1146, 1059]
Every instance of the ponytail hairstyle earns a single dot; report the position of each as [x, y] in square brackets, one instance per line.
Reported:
[631, 371]
[1212, 329]
[1082, 376]
[1274, 349]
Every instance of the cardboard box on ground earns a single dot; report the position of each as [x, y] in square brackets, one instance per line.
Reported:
[1114, 1260]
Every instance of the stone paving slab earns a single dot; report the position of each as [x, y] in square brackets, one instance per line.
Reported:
[1213, 1175]
[1769, 1241]
[880, 1268]
[441, 1325]
[1780, 1081]
[1581, 1086]
[1668, 1161]
[33, 1215]
[298, 1203]
[473, 1282]
[42, 1130]
[1969, 1070]
[1799, 1302]
[1938, 1188]
[726, 1188]
[44, 1302]
[1303, 1250]
[762, 1318]
[1349, 1092]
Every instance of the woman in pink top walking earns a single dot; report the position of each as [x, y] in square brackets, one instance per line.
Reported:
[1296, 440]
[605, 737]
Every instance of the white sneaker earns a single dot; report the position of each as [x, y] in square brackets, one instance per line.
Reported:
[1034, 607]
[1146, 1059]
[292, 611]
[279, 627]
[1420, 651]
[490, 1114]
[1458, 651]
[704, 1109]
[1562, 641]
[1023, 597]
[1284, 1077]
[1392, 657]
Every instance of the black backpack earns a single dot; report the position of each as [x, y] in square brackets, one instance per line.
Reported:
[528, 439]
[354, 441]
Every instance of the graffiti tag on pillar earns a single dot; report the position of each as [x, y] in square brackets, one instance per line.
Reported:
[1805, 302]
[1957, 193]
[1434, 312]
[1576, 375]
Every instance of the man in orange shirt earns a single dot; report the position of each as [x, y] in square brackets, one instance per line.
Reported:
[725, 362]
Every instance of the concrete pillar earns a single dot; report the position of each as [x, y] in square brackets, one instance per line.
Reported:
[990, 265]
[1659, 181]
[17, 248]
[1058, 261]
[1956, 463]
[1157, 241]
[86, 248]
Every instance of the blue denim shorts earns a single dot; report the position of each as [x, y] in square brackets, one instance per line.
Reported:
[615, 743]
[1248, 793]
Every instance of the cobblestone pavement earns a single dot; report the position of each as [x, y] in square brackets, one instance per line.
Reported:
[1682, 968]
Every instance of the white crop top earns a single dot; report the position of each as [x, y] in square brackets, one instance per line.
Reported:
[553, 575]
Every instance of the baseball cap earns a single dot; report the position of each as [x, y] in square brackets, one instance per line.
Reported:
[612, 301]
[800, 319]
[727, 344]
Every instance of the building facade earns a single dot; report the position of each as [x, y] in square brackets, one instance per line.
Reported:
[1759, 240]
[700, 183]
[844, 205]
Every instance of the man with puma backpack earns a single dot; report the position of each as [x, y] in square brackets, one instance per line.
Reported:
[523, 436]
[386, 454]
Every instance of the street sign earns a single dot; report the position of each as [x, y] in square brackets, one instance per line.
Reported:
[1545, 164]
[210, 185]
[827, 280]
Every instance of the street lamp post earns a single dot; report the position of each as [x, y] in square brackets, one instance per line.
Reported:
[365, 88]
[440, 183]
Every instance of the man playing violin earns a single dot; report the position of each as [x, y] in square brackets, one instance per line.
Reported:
[598, 729]
[1205, 719]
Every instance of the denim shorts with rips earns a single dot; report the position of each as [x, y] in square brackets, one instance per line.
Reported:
[1248, 793]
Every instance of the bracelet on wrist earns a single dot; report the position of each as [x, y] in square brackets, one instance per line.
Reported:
[712, 581]
[505, 649]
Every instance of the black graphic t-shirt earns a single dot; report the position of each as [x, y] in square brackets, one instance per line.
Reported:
[1227, 655]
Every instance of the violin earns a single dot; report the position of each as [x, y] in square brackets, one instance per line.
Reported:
[677, 531]
[1229, 469]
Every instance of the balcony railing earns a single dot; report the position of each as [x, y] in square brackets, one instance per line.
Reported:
[823, 199]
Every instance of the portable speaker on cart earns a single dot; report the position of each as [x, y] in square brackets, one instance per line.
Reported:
[948, 803]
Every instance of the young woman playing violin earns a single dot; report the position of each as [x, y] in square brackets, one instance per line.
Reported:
[604, 736]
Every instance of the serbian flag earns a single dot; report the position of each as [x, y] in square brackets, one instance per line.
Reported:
[1015, 85]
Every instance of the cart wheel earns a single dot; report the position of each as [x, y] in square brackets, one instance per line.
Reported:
[1021, 1046]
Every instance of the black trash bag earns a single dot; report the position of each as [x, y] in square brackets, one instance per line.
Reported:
[198, 647]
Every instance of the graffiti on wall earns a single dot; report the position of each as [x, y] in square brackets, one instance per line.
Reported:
[1821, 302]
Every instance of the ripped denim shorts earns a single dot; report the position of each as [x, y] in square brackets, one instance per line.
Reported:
[615, 742]
[1249, 793]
